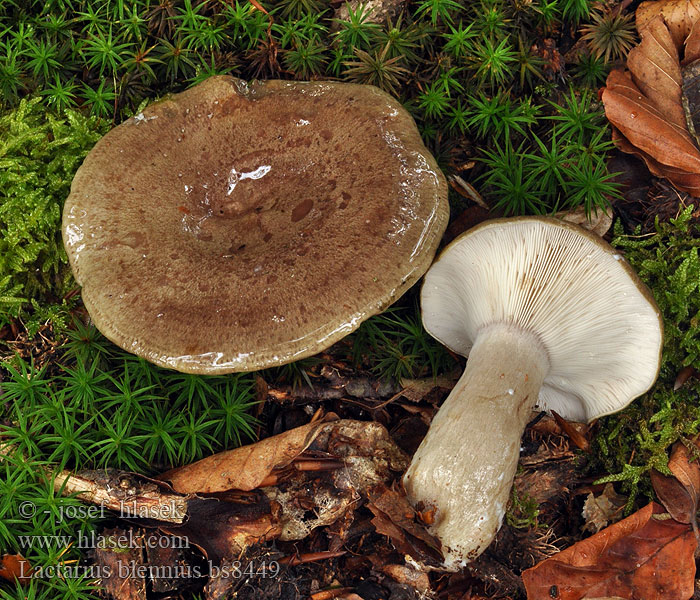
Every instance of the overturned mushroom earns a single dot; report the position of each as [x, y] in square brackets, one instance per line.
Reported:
[233, 227]
[549, 315]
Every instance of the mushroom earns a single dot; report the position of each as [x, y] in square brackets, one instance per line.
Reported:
[549, 315]
[237, 226]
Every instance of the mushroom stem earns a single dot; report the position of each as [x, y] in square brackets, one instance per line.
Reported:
[466, 463]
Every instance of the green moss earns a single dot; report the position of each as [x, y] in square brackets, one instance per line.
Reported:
[39, 153]
[523, 511]
[630, 443]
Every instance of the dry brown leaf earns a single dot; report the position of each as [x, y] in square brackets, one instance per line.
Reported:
[641, 557]
[692, 45]
[243, 468]
[656, 70]
[335, 464]
[645, 125]
[577, 438]
[679, 15]
[645, 105]
[683, 180]
[396, 518]
[683, 375]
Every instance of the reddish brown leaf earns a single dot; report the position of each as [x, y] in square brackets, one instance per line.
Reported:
[689, 182]
[15, 567]
[687, 472]
[679, 494]
[646, 104]
[674, 496]
[692, 45]
[577, 438]
[645, 126]
[642, 557]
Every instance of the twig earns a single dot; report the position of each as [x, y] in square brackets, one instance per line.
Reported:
[330, 594]
[300, 559]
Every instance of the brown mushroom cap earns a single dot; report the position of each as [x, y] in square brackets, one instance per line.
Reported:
[233, 227]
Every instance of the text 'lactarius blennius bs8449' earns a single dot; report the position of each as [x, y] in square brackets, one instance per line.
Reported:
[238, 226]
[549, 316]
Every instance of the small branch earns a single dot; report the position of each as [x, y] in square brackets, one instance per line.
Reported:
[128, 494]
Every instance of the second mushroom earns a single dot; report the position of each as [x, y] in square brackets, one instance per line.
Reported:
[549, 316]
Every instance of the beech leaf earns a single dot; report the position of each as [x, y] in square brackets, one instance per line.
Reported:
[679, 15]
[642, 557]
[656, 69]
[651, 105]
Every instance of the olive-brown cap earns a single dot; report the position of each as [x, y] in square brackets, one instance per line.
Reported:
[237, 226]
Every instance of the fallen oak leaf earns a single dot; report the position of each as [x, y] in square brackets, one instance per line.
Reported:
[642, 557]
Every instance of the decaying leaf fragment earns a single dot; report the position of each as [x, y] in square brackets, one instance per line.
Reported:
[645, 104]
[600, 510]
[646, 556]
[305, 478]
[396, 518]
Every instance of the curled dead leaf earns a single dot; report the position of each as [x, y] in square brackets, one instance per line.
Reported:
[396, 518]
[244, 468]
[679, 15]
[645, 104]
[683, 375]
